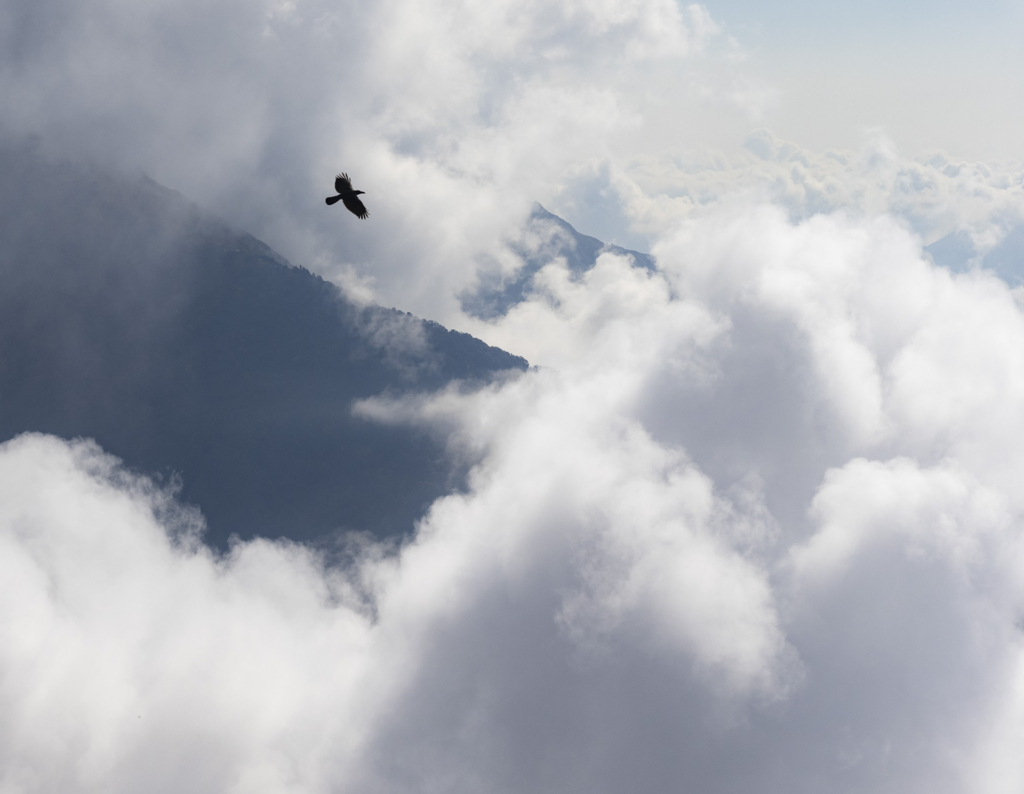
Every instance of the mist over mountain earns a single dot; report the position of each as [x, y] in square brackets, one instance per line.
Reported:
[194, 352]
[546, 237]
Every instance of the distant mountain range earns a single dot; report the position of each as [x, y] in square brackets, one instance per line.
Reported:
[193, 351]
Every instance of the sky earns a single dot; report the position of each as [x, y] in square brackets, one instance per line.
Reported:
[933, 75]
[753, 521]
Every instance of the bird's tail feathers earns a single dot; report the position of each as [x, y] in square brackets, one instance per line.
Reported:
[332, 200]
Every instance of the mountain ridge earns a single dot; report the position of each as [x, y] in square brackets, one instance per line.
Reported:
[196, 353]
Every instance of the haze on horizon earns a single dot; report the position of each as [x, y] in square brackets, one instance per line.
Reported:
[753, 520]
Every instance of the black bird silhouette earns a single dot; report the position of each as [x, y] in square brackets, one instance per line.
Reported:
[346, 194]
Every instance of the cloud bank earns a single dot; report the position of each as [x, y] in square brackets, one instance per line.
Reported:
[755, 525]
[932, 193]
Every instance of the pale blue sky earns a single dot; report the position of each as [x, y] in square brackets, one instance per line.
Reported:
[933, 75]
[835, 22]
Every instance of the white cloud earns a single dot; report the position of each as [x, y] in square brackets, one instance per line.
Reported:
[131, 661]
[932, 193]
[872, 400]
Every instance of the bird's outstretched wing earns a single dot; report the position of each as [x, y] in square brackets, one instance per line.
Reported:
[355, 206]
[342, 183]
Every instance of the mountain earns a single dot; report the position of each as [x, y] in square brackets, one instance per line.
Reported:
[196, 354]
[546, 237]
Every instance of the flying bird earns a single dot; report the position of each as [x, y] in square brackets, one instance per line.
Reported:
[349, 196]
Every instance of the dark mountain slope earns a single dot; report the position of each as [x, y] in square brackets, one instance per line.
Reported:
[130, 316]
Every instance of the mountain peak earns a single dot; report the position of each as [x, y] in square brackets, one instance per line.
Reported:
[545, 238]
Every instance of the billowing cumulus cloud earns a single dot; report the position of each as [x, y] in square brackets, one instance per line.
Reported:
[854, 409]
